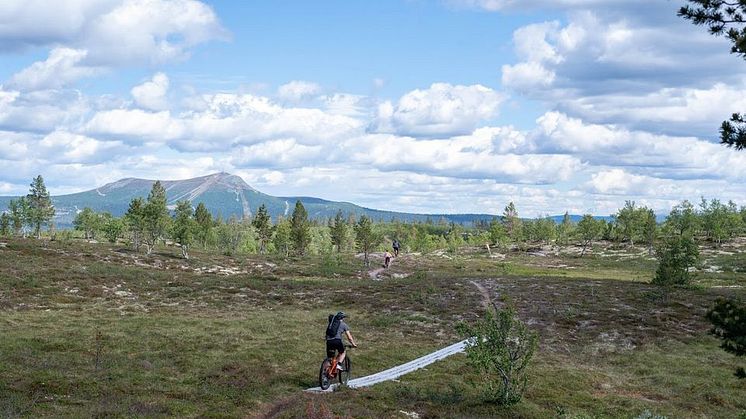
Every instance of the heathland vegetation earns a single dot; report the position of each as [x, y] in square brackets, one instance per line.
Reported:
[176, 312]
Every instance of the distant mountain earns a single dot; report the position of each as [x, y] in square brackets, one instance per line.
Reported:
[224, 195]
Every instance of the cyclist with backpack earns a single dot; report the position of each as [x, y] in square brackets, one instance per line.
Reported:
[334, 331]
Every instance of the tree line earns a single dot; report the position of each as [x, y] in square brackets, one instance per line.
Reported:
[149, 221]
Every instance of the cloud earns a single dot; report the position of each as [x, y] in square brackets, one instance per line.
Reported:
[296, 90]
[88, 36]
[223, 121]
[112, 31]
[474, 157]
[509, 5]
[59, 70]
[135, 124]
[659, 155]
[40, 111]
[276, 154]
[441, 110]
[152, 94]
[66, 147]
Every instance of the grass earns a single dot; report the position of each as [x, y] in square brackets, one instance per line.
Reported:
[98, 330]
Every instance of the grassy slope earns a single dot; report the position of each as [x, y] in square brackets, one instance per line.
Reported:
[90, 329]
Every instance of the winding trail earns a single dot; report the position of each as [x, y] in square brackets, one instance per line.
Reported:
[486, 300]
[398, 371]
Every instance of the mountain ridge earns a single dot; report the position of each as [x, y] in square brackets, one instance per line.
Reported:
[225, 195]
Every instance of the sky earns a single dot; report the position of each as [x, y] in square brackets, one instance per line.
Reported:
[429, 106]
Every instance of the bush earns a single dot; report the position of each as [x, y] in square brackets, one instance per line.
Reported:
[675, 256]
[501, 346]
[728, 318]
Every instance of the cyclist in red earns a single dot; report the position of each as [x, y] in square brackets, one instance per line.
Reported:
[334, 331]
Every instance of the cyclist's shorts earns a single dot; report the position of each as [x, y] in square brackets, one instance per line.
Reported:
[332, 345]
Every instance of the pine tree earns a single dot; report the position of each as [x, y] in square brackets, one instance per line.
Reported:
[338, 229]
[135, 221]
[564, 230]
[184, 226]
[496, 232]
[724, 18]
[204, 223]
[155, 216]
[41, 210]
[649, 227]
[512, 222]
[283, 239]
[4, 225]
[365, 238]
[300, 230]
[18, 211]
[263, 225]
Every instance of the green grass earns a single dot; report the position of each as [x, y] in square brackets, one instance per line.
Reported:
[98, 330]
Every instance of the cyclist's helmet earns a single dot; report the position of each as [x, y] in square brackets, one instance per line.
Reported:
[341, 315]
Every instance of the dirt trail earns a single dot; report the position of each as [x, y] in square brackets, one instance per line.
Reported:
[486, 301]
[374, 273]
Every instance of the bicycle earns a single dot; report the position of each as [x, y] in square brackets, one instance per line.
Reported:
[328, 371]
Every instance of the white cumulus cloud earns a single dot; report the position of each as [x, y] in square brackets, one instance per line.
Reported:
[442, 109]
[152, 94]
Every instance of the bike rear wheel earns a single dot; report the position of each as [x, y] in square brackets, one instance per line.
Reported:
[324, 380]
[344, 376]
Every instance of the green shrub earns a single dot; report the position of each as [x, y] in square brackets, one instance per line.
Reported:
[501, 346]
[675, 256]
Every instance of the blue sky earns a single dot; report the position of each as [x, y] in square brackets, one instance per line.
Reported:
[408, 105]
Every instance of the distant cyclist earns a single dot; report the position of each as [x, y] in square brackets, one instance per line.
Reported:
[334, 331]
[387, 259]
[396, 245]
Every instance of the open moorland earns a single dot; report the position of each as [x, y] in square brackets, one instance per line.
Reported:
[92, 329]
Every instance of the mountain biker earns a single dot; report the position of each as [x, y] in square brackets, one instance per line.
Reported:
[387, 259]
[335, 342]
[396, 246]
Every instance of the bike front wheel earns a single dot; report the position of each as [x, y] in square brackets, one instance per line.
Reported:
[324, 380]
[344, 376]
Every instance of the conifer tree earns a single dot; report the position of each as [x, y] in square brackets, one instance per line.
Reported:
[365, 238]
[18, 211]
[512, 222]
[564, 230]
[4, 225]
[204, 223]
[263, 225]
[300, 230]
[135, 221]
[41, 210]
[155, 216]
[184, 226]
[338, 230]
[282, 238]
[724, 18]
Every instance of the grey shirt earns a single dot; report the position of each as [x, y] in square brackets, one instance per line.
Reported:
[341, 329]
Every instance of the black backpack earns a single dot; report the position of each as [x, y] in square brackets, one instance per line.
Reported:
[333, 326]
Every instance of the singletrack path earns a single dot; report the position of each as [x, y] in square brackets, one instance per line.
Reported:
[398, 371]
